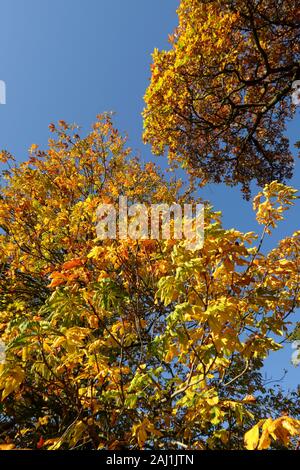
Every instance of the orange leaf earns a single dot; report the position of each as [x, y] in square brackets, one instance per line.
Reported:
[40, 443]
[7, 446]
[74, 263]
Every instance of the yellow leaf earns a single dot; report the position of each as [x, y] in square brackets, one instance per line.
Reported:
[267, 430]
[12, 382]
[7, 446]
[213, 401]
[251, 438]
[33, 148]
[140, 432]
[291, 425]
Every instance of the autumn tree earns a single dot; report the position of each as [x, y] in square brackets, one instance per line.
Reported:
[135, 343]
[219, 100]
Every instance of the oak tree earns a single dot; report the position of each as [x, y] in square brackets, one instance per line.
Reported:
[219, 99]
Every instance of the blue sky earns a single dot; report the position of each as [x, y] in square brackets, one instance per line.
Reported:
[72, 59]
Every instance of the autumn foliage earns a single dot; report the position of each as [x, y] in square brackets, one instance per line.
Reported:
[147, 344]
[219, 100]
[130, 343]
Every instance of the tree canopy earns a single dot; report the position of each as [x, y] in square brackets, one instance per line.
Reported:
[135, 343]
[219, 100]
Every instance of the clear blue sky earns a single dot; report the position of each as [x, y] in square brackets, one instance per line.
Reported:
[72, 59]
